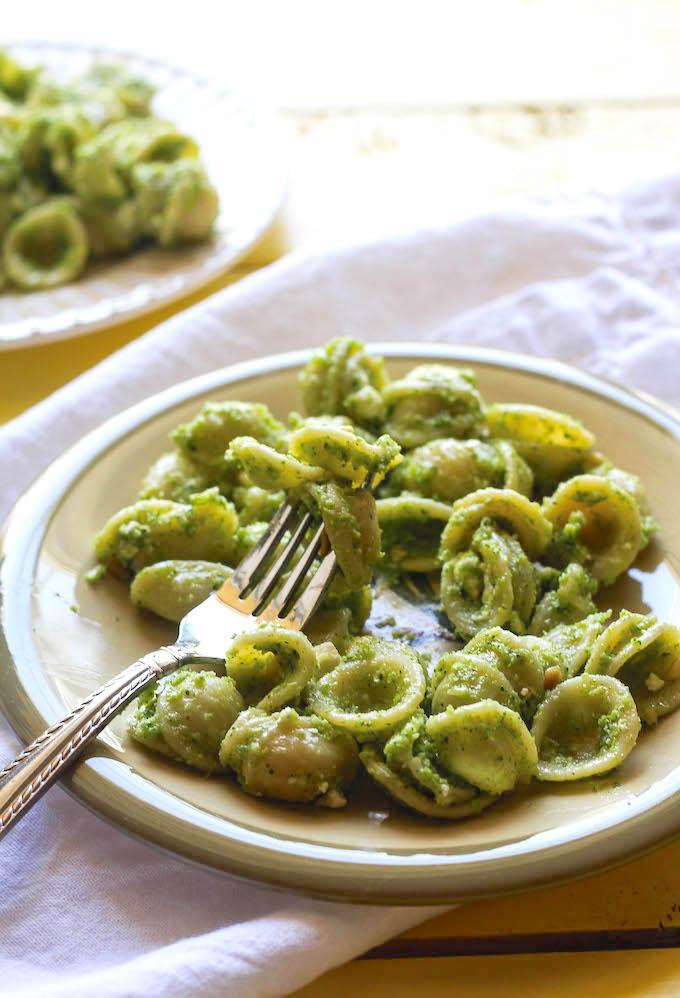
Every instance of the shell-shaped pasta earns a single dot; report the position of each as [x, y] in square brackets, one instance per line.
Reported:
[174, 476]
[151, 530]
[411, 753]
[342, 379]
[45, 247]
[430, 402]
[609, 524]
[447, 469]
[171, 589]
[205, 438]
[570, 601]
[512, 512]
[195, 710]
[643, 653]
[176, 203]
[410, 531]
[533, 424]
[484, 743]
[49, 139]
[95, 176]
[110, 228]
[378, 685]
[517, 474]
[285, 756]
[344, 453]
[459, 679]
[554, 445]
[523, 660]
[351, 523]
[186, 715]
[585, 727]
[270, 469]
[138, 140]
[631, 484]
[491, 584]
[407, 793]
[270, 665]
[573, 643]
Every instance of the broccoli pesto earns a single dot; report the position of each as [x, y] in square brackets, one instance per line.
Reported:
[499, 525]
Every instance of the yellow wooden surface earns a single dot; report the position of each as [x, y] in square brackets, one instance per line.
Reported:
[651, 974]
[356, 174]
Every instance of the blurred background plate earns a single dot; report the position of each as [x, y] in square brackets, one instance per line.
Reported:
[242, 148]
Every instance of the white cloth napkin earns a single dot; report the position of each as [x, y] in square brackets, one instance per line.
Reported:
[593, 281]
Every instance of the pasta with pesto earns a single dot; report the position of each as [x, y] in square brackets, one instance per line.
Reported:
[88, 171]
[500, 525]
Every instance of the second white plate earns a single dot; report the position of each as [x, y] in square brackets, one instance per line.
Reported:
[242, 148]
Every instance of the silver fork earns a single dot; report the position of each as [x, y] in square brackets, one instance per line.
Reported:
[251, 594]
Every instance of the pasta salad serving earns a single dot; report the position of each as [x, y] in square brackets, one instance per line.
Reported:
[87, 171]
[505, 513]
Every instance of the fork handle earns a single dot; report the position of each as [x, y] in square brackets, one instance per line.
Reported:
[46, 759]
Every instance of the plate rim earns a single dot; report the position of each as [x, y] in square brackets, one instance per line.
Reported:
[594, 843]
[199, 277]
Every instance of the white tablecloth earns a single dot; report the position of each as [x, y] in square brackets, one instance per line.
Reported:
[593, 281]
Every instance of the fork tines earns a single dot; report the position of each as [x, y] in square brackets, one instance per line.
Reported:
[257, 577]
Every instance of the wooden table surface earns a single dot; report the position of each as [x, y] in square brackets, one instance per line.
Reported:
[357, 173]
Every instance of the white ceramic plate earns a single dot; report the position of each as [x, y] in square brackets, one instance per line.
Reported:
[51, 656]
[242, 149]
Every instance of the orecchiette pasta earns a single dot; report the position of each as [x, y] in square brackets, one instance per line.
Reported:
[633, 486]
[268, 468]
[270, 666]
[448, 469]
[203, 528]
[171, 588]
[490, 584]
[574, 642]
[459, 679]
[554, 445]
[287, 756]
[342, 379]
[45, 246]
[351, 523]
[432, 401]
[522, 659]
[569, 601]
[377, 685]
[606, 522]
[185, 715]
[504, 517]
[410, 770]
[255, 505]
[411, 529]
[585, 727]
[205, 439]
[645, 655]
[87, 171]
[344, 453]
[484, 743]
[512, 512]
[532, 424]
[174, 476]
[407, 793]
